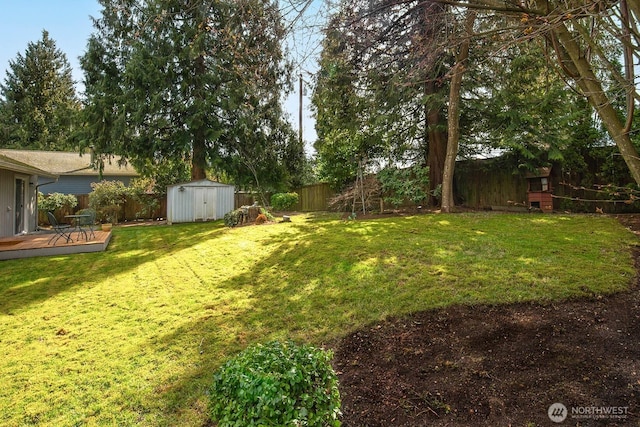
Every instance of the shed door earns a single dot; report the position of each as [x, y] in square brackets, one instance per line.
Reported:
[204, 204]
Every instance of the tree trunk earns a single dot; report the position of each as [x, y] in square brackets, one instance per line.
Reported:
[454, 114]
[591, 87]
[199, 155]
[437, 138]
[199, 148]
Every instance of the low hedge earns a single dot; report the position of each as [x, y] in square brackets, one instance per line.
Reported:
[276, 384]
[284, 201]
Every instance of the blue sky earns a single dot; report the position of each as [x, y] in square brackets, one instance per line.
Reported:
[68, 23]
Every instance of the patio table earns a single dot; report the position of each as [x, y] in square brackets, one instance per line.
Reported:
[77, 224]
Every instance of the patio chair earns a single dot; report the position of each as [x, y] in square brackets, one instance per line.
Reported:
[88, 221]
[61, 230]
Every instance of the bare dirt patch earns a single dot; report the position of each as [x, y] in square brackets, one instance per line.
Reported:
[498, 365]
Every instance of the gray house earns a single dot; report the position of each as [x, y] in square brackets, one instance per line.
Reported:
[18, 190]
[73, 173]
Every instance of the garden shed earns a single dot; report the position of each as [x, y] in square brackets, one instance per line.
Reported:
[202, 200]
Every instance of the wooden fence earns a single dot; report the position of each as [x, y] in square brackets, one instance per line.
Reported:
[314, 198]
[311, 198]
[242, 198]
[130, 210]
[478, 184]
[482, 184]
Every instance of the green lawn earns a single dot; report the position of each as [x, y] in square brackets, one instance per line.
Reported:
[131, 336]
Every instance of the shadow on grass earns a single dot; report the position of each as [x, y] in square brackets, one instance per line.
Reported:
[30, 281]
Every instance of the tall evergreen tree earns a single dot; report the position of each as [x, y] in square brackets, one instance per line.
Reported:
[38, 102]
[198, 81]
[380, 88]
[339, 109]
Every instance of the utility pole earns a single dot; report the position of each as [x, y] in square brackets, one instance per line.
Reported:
[300, 114]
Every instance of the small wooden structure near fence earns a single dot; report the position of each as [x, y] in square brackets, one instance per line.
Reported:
[540, 190]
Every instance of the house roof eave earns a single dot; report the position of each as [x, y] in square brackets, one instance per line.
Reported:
[21, 167]
[64, 163]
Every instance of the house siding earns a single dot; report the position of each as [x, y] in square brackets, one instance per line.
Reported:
[6, 202]
[31, 204]
[76, 184]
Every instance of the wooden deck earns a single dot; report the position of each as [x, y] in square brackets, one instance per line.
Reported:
[37, 244]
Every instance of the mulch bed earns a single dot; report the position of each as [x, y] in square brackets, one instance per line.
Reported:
[497, 365]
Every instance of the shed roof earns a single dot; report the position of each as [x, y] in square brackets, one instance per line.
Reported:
[539, 173]
[67, 163]
[18, 166]
[201, 183]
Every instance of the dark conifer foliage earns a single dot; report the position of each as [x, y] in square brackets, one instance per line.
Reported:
[38, 102]
[195, 82]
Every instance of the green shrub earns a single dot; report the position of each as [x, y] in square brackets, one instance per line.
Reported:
[54, 201]
[141, 191]
[276, 384]
[107, 198]
[233, 218]
[405, 184]
[284, 201]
